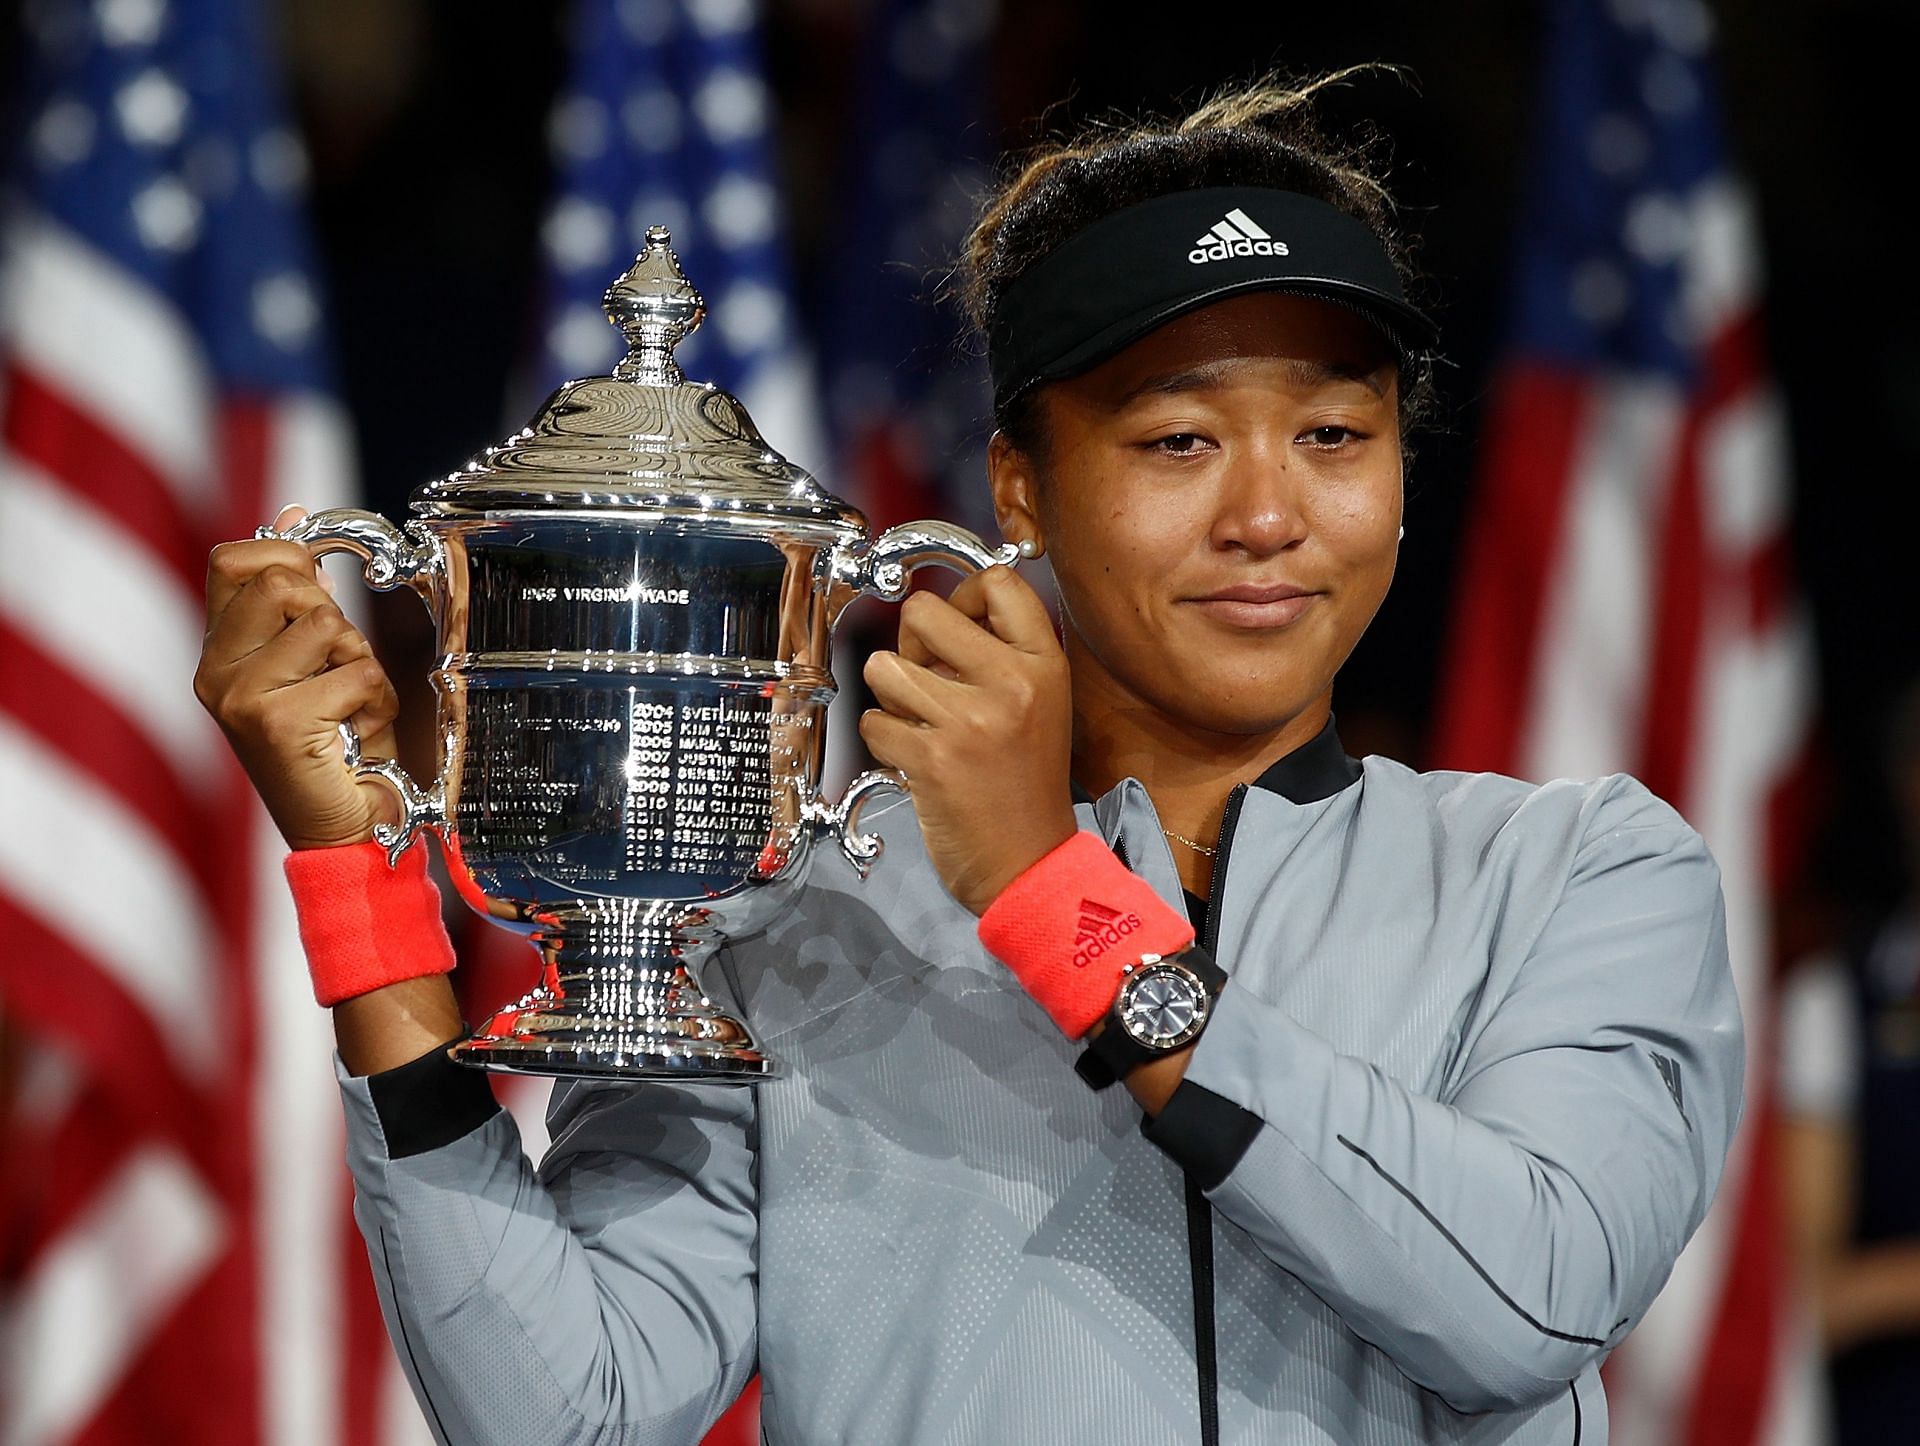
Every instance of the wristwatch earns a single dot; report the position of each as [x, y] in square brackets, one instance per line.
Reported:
[1164, 1003]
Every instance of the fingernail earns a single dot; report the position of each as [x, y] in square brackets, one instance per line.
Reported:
[287, 516]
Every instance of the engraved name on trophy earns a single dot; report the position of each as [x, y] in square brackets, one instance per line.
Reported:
[634, 600]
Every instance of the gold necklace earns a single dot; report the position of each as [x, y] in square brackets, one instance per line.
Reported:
[1198, 848]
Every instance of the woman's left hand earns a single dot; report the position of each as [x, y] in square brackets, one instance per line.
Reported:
[975, 710]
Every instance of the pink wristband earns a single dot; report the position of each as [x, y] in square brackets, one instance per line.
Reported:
[365, 925]
[1071, 924]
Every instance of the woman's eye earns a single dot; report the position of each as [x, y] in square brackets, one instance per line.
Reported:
[1332, 435]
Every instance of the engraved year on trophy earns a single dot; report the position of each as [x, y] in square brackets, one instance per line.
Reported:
[634, 600]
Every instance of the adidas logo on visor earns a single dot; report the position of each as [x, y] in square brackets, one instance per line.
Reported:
[1235, 234]
[1100, 929]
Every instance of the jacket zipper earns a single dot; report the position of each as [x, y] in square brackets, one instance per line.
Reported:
[1199, 1210]
[1222, 845]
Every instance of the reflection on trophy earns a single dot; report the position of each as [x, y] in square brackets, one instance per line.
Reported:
[634, 599]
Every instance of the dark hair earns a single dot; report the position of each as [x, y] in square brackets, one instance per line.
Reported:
[1259, 135]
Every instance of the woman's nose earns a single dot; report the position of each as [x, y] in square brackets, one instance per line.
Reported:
[1259, 508]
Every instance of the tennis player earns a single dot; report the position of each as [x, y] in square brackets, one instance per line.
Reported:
[1176, 1077]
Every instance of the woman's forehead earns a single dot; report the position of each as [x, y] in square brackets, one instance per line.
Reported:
[1302, 341]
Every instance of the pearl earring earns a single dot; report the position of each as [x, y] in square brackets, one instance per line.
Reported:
[1029, 549]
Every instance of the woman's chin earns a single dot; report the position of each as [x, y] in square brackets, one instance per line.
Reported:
[1239, 709]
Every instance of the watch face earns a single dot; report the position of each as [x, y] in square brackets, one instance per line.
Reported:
[1163, 1006]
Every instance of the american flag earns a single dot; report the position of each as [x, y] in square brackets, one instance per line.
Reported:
[180, 1265]
[909, 408]
[1626, 603]
[665, 120]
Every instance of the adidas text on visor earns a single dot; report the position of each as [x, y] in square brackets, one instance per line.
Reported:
[1107, 286]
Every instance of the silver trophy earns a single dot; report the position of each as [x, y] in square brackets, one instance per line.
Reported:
[634, 600]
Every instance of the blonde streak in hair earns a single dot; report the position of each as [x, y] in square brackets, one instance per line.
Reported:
[1276, 96]
[1277, 99]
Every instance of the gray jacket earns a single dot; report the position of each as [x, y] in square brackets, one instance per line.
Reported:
[1466, 1095]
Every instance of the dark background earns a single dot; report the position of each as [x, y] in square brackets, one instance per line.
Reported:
[426, 121]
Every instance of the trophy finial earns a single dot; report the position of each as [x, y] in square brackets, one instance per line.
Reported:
[656, 308]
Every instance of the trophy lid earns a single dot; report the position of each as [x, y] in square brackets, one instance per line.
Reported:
[644, 440]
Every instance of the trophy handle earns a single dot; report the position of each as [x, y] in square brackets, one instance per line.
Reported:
[882, 567]
[861, 849]
[389, 559]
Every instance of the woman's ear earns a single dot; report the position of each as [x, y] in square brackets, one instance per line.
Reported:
[1015, 483]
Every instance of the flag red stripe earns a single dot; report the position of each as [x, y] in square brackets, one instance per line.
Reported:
[365, 1354]
[43, 427]
[892, 478]
[1768, 585]
[245, 427]
[1512, 551]
[205, 1343]
[1792, 805]
[246, 432]
[71, 719]
[53, 989]
[1678, 625]
[1733, 363]
[1733, 1384]
[57, 1168]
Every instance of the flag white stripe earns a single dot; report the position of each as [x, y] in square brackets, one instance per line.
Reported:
[298, 1140]
[1589, 685]
[92, 872]
[400, 1422]
[310, 452]
[112, 346]
[1720, 268]
[1756, 706]
[1797, 1404]
[526, 1098]
[306, 1257]
[780, 394]
[1743, 471]
[91, 1301]
[95, 598]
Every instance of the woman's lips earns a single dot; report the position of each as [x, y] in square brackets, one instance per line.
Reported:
[1249, 605]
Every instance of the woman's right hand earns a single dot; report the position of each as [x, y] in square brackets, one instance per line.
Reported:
[280, 670]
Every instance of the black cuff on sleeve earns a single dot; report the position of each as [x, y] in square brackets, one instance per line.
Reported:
[429, 1102]
[1202, 1132]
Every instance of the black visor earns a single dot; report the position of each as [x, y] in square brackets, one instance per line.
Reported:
[1109, 285]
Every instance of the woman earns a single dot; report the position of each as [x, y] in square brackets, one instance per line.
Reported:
[1423, 1091]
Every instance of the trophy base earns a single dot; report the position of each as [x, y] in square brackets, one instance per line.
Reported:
[655, 1026]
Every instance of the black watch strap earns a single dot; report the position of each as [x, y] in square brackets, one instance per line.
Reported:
[1116, 1054]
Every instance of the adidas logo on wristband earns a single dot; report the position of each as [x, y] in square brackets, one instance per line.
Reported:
[1100, 929]
[1235, 234]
